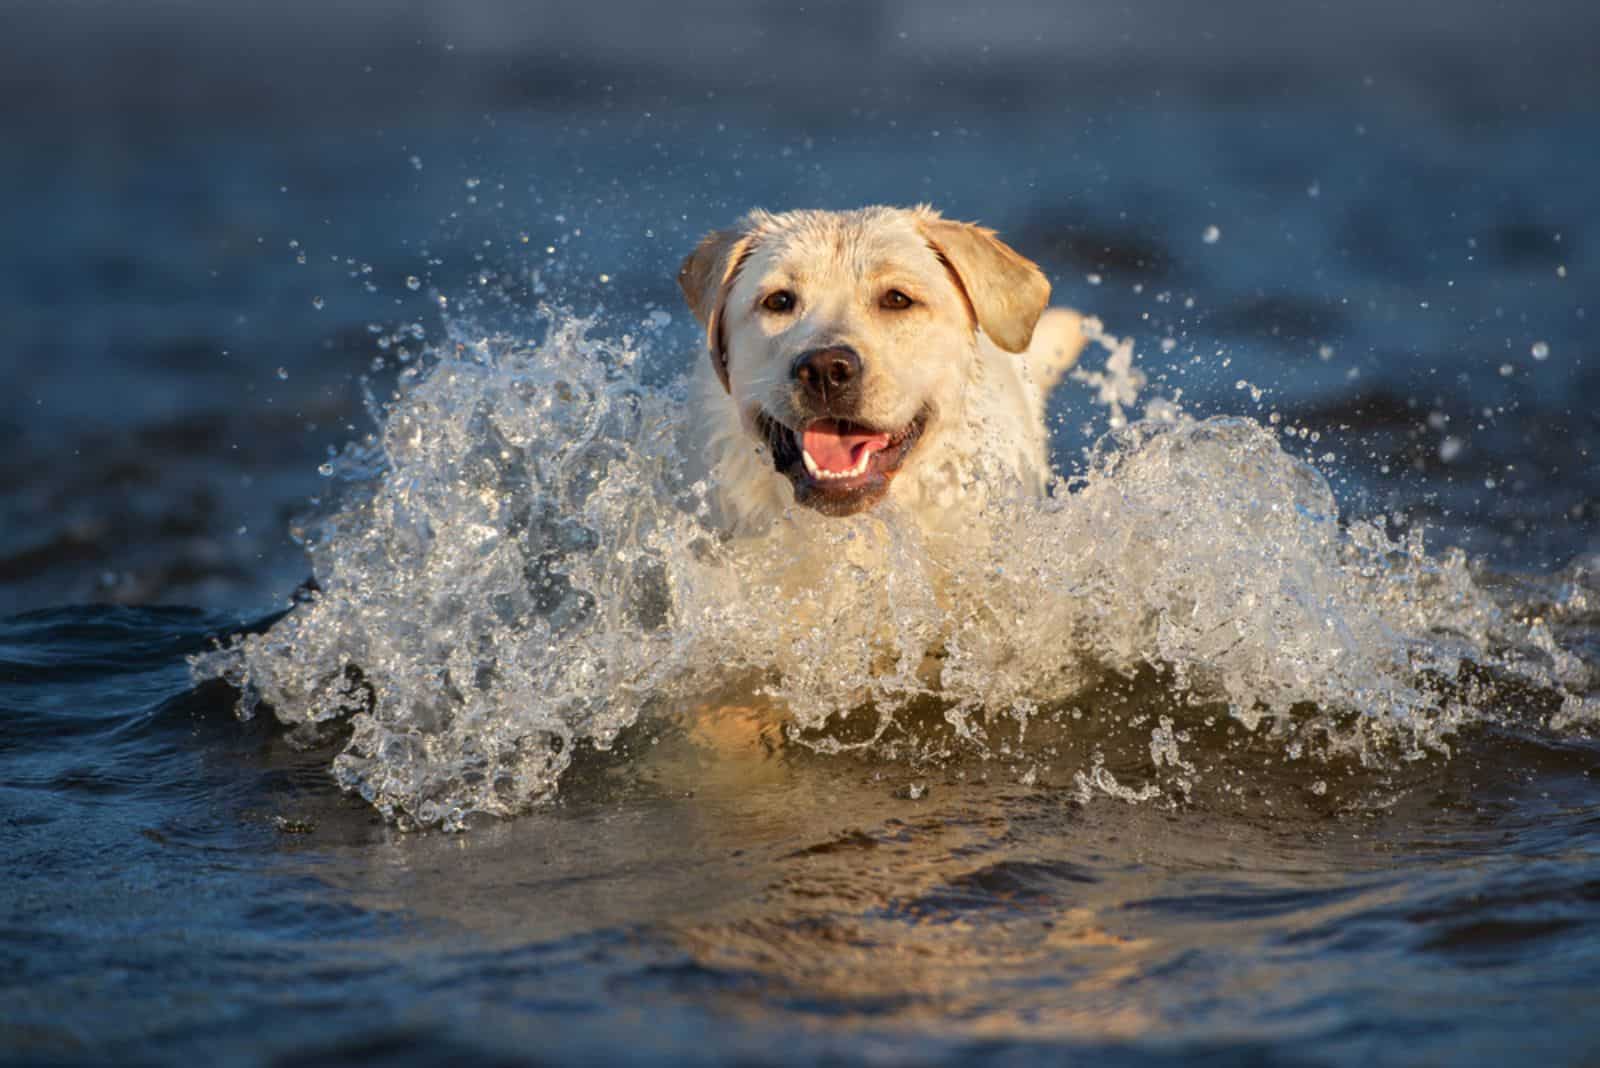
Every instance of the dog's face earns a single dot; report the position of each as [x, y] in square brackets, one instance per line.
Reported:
[846, 341]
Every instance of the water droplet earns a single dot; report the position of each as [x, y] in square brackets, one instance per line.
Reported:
[318, 303]
[1541, 350]
[1093, 279]
[1212, 235]
[325, 470]
[283, 374]
[413, 283]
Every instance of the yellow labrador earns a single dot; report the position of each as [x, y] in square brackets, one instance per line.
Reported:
[871, 355]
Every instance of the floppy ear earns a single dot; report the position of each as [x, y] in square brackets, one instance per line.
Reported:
[705, 278]
[1006, 291]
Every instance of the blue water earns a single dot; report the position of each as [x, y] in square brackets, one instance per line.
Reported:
[1399, 225]
[180, 885]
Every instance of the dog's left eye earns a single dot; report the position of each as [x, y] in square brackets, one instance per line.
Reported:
[778, 301]
[894, 300]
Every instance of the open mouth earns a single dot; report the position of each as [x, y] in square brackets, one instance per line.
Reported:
[837, 466]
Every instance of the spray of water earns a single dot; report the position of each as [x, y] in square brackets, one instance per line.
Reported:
[516, 564]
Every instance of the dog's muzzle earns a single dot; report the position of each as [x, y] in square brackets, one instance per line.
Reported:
[838, 466]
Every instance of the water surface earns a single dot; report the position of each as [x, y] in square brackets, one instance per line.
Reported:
[1168, 850]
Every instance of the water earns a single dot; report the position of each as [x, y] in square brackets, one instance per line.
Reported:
[1269, 734]
[196, 886]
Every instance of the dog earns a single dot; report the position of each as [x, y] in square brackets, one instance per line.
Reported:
[861, 357]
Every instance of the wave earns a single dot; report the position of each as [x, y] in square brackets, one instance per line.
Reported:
[519, 562]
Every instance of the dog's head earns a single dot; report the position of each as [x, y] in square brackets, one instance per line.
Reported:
[845, 339]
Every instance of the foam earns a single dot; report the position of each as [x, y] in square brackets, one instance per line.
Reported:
[516, 565]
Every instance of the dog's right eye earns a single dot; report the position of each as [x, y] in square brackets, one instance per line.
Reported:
[780, 300]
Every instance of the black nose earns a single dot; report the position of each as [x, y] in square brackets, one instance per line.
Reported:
[828, 375]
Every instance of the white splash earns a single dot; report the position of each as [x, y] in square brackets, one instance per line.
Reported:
[518, 567]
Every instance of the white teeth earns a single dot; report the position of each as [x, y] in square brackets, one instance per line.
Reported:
[824, 475]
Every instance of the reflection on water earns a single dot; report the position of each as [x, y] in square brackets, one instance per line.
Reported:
[710, 888]
[813, 894]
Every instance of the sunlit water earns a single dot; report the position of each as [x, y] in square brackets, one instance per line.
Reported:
[1169, 764]
[516, 566]
[1219, 750]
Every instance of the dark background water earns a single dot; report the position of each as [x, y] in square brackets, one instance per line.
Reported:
[1406, 206]
[1410, 186]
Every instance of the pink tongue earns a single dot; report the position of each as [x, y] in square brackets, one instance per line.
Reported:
[836, 446]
